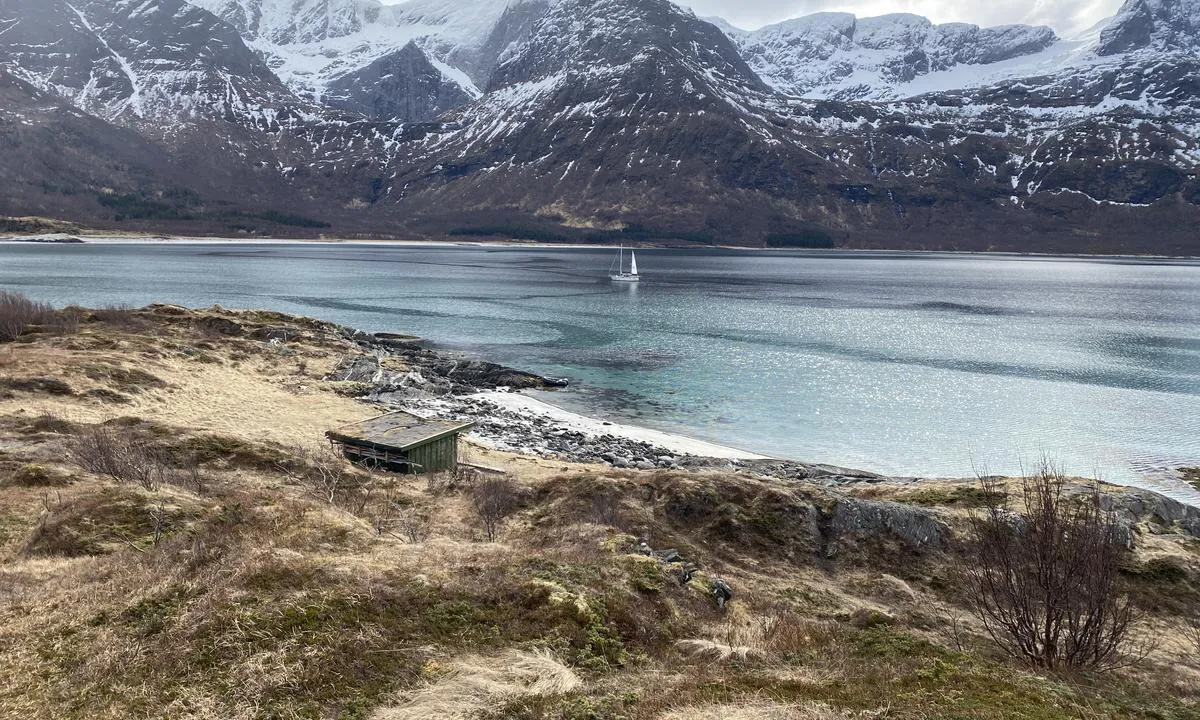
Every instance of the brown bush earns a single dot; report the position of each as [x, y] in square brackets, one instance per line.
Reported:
[328, 475]
[1045, 582]
[67, 320]
[1191, 631]
[18, 312]
[493, 499]
[119, 316]
[119, 454]
[403, 520]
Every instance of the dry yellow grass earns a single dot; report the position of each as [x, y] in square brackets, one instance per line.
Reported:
[257, 399]
[768, 710]
[475, 683]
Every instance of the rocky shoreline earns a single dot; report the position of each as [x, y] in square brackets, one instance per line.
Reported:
[400, 372]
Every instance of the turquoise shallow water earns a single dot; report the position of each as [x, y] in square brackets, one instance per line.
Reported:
[901, 363]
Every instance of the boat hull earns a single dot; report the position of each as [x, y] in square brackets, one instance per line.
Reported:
[624, 278]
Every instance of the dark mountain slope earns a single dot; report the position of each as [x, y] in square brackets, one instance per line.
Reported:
[615, 113]
[403, 85]
[611, 119]
[59, 161]
[634, 118]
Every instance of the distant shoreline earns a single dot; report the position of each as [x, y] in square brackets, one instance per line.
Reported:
[84, 239]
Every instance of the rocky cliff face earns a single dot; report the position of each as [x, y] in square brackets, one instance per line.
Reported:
[1161, 24]
[403, 86]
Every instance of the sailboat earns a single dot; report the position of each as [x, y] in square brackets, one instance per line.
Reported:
[620, 275]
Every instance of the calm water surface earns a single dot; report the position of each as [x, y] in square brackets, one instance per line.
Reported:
[900, 363]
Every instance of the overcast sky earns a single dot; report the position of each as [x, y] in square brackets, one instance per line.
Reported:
[1067, 17]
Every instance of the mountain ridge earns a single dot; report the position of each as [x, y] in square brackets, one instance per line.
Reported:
[633, 119]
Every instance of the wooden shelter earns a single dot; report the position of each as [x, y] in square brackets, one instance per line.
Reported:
[402, 442]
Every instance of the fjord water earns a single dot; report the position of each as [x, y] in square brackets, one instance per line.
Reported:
[899, 363]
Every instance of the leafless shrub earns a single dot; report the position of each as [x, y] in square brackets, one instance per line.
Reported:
[119, 316]
[464, 476]
[328, 476]
[190, 478]
[120, 455]
[51, 504]
[408, 523]
[321, 473]
[67, 320]
[158, 520]
[1046, 581]
[494, 499]
[955, 628]
[18, 312]
[416, 526]
[1191, 631]
[437, 483]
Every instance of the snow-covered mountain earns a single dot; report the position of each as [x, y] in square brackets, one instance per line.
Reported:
[439, 49]
[839, 56]
[606, 119]
[136, 59]
[1144, 56]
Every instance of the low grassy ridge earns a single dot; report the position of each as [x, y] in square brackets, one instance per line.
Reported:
[228, 581]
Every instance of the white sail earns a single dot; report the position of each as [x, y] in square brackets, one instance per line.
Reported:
[620, 275]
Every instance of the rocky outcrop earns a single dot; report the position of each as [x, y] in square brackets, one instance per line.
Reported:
[1165, 24]
[396, 369]
[1157, 513]
[402, 86]
[915, 527]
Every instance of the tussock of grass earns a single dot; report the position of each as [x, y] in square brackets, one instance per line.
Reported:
[230, 451]
[32, 475]
[35, 385]
[122, 379]
[965, 496]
